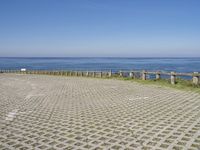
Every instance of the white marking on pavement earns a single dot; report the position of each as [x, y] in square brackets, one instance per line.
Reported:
[11, 115]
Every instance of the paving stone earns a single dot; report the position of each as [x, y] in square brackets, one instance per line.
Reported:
[53, 112]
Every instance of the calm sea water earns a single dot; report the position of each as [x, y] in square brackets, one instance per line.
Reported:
[115, 64]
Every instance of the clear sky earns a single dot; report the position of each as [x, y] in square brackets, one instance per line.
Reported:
[120, 28]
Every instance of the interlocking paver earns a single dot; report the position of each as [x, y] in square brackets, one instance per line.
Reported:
[52, 112]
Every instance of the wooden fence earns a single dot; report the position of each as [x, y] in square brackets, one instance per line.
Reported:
[131, 74]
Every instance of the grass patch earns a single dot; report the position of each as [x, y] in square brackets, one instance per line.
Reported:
[181, 84]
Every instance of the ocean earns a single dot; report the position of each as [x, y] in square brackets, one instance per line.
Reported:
[102, 64]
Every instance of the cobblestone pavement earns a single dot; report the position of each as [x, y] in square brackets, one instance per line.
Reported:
[52, 112]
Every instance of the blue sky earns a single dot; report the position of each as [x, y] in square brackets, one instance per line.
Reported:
[119, 28]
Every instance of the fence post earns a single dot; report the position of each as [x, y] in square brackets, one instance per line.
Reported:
[100, 74]
[144, 75]
[93, 74]
[131, 74]
[195, 78]
[173, 78]
[158, 75]
[110, 73]
[120, 74]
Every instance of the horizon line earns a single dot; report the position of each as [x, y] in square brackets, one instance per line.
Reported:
[98, 57]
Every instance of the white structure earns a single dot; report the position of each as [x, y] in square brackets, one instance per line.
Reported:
[23, 69]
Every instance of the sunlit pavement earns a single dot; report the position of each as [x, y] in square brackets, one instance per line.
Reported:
[53, 112]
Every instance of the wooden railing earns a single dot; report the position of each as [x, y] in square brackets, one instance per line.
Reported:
[131, 74]
[173, 75]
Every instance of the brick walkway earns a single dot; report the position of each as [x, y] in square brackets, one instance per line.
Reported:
[52, 112]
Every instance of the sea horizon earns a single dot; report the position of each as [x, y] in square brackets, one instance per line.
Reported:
[143, 57]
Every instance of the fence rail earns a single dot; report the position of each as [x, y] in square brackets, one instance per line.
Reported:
[195, 77]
